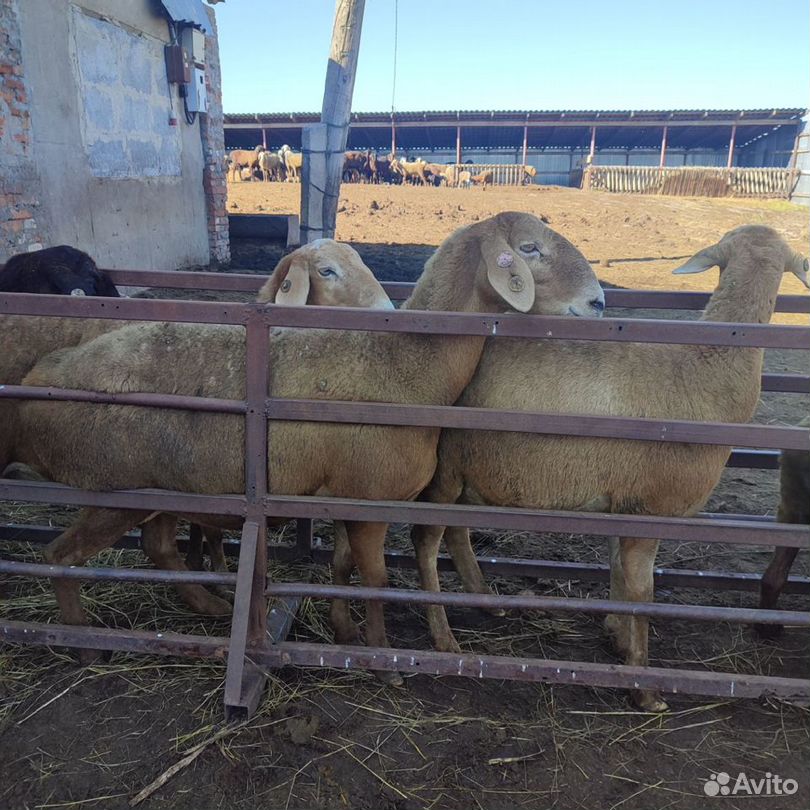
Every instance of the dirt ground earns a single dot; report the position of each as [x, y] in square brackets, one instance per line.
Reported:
[93, 738]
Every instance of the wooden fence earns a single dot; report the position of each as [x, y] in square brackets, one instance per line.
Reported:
[691, 181]
[503, 174]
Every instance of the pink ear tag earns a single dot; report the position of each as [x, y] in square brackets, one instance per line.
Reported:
[506, 260]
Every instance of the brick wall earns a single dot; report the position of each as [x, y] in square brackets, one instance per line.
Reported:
[213, 140]
[19, 181]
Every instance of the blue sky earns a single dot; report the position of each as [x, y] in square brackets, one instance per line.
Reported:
[523, 54]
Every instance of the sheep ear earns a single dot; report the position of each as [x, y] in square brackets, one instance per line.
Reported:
[281, 283]
[294, 290]
[699, 263]
[508, 274]
[799, 267]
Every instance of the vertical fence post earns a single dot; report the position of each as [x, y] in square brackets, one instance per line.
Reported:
[663, 161]
[244, 682]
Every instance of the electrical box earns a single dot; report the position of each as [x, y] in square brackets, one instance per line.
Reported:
[178, 64]
[193, 41]
[196, 94]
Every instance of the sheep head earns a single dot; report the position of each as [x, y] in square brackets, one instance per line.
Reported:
[747, 239]
[324, 273]
[534, 269]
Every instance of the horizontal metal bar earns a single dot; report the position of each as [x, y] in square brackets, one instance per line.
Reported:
[400, 290]
[536, 670]
[555, 327]
[592, 572]
[529, 569]
[664, 528]
[754, 459]
[130, 309]
[702, 613]
[140, 499]
[612, 427]
[786, 383]
[99, 638]
[708, 333]
[25, 569]
[680, 299]
[169, 401]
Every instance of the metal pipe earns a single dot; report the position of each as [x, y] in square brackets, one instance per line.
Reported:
[429, 662]
[24, 569]
[702, 613]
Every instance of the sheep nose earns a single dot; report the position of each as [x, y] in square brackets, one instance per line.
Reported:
[598, 304]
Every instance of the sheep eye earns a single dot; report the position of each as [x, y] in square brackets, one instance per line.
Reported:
[530, 248]
[327, 272]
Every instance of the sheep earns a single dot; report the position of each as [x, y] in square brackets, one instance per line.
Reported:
[489, 266]
[293, 161]
[60, 270]
[322, 273]
[607, 378]
[272, 166]
[413, 171]
[244, 159]
[483, 178]
[794, 507]
[529, 173]
[464, 178]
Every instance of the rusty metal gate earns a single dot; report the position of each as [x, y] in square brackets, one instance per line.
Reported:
[257, 638]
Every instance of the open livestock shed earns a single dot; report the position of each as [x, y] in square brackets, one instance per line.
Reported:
[555, 142]
[100, 147]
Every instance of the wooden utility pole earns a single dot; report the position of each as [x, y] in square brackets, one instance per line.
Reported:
[324, 144]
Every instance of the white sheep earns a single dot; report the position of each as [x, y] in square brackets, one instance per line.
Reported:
[706, 383]
[137, 447]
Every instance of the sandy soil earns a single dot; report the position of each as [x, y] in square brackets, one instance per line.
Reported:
[93, 738]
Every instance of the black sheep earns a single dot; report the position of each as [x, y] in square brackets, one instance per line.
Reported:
[61, 270]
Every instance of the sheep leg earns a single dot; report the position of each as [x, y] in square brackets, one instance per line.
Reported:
[216, 550]
[160, 544]
[426, 540]
[194, 555]
[345, 629]
[617, 626]
[367, 541]
[457, 540]
[91, 532]
[773, 581]
[638, 561]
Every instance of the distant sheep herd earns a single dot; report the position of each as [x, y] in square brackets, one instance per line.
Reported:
[359, 167]
[509, 262]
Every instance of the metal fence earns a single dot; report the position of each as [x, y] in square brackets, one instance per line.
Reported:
[257, 639]
[692, 181]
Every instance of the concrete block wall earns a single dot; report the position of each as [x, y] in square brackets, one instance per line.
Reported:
[19, 181]
[96, 151]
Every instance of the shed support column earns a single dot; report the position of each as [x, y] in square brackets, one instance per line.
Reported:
[264, 138]
[458, 144]
[592, 150]
[525, 143]
[663, 161]
[335, 115]
[393, 138]
[730, 162]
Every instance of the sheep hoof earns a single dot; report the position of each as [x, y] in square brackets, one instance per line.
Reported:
[498, 613]
[390, 678]
[210, 605]
[649, 701]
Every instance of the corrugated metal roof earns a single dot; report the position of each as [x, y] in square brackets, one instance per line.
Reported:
[460, 116]
[188, 11]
